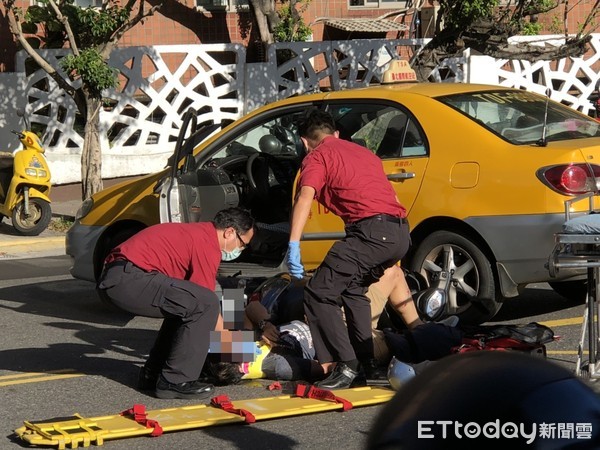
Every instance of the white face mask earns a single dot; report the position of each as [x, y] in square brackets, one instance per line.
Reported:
[228, 256]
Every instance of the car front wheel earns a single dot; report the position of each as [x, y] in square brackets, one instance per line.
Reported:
[472, 292]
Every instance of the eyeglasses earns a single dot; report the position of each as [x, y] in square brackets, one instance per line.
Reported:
[244, 245]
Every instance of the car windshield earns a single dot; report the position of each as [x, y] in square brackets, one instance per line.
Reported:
[518, 116]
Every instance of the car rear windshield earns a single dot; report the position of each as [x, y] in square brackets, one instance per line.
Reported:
[518, 116]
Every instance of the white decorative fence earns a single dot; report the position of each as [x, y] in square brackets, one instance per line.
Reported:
[140, 122]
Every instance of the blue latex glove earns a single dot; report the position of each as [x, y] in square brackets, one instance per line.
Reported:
[294, 261]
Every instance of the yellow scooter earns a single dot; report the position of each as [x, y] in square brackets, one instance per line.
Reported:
[25, 186]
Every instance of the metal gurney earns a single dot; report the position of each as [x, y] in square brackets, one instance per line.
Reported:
[578, 247]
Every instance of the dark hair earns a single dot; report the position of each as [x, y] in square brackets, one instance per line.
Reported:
[315, 122]
[237, 218]
[226, 373]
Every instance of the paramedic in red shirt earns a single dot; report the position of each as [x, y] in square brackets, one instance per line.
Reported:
[349, 180]
[169, 270]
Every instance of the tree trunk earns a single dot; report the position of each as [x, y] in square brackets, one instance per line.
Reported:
[262, 9]
[91, 155]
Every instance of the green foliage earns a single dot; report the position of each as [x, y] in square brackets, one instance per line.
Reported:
[92, 28]
[531, 28]
[515, 17]
[291, 27]
[93, 70]
[545, 4]
[556, 26]
[461, 14]
[95, 26]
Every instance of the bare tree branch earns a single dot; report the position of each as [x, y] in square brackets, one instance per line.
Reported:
[65, 22]
[16, 30]
[565, 16]
[489, 35]
[591, 17]
[107, 48]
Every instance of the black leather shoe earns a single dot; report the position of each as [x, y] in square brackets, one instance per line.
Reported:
[342, 377]
[191, 389]
[147, 379]
[373, 371]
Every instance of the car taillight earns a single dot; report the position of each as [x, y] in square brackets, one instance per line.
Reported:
[571, 179]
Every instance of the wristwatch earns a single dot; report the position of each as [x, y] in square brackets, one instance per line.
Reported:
[262, 324]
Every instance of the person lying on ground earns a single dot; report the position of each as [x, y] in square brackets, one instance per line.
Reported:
[288, 356]
[285, 351]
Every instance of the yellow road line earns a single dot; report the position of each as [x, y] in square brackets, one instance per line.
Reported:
[33, 374]
[563, 352]
[563, 322]
[39, 379]
[36, 377]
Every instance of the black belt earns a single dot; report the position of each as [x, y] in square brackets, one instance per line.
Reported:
[116, 263]
[385, 218]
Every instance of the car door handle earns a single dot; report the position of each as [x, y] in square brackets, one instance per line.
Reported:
[401, 176]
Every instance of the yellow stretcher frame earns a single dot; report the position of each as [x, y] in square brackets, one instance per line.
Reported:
[74, 431]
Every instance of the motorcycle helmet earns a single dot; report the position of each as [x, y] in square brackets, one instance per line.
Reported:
[431, 303]
[491, 400]
[269, 144]
[399, 373]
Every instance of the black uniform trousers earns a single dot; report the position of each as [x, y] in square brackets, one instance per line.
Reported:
[190, 313]
[371, 245]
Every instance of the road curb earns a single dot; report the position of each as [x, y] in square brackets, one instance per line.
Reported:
[33, 241]
[31, 247]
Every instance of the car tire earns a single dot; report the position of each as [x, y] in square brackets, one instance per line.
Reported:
[574, 291]
[473, 283]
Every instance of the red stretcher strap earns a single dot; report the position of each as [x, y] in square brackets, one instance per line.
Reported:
[223, 402]
[310, 391]
[138, 413]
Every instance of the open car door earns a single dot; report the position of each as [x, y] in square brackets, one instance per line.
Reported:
[179, 201]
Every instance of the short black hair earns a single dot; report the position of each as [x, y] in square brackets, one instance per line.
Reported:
[314, 122]
[237, 218]
[226, 373]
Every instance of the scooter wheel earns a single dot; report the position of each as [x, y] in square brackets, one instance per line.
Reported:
[38, 219]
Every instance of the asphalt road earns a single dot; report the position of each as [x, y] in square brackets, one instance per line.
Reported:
[62, 352]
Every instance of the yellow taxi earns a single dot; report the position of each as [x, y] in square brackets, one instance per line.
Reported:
[482, 170]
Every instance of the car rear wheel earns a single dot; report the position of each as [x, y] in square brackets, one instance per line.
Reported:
[472, 288]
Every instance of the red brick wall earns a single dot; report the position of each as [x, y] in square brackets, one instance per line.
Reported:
[553, 21]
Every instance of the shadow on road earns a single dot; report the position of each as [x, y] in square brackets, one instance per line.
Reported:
[76, 307]
[535, 301]
[64, 299]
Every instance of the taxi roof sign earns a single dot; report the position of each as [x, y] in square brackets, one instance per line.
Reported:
[399, 71]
